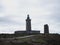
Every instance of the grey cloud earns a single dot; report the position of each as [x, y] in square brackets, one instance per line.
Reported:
[55, 18]
[37, 7]
[6, 20]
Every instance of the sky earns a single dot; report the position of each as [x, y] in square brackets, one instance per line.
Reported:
[13, 14]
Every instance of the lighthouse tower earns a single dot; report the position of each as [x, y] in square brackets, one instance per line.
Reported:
[28, 24]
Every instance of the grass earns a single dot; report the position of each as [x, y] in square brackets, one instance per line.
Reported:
[41, 39]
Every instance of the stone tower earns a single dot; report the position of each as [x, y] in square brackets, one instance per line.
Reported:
[46, 29]
[28, 24]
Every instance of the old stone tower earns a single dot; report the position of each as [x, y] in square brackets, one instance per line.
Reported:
[28, 23]
[46, 29]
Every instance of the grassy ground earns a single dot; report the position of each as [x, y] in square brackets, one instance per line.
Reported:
[39, 39]
[42, 39]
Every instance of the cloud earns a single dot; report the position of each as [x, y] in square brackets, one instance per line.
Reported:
[40, 11]
[10, 20]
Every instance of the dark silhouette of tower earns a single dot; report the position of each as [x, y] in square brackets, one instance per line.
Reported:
[28, 28]
[46, 29]
[28, 24]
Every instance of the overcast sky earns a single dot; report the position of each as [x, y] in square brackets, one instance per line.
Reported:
[14, 12]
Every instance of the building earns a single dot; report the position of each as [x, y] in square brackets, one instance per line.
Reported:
[28, 28]
[46, 29]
